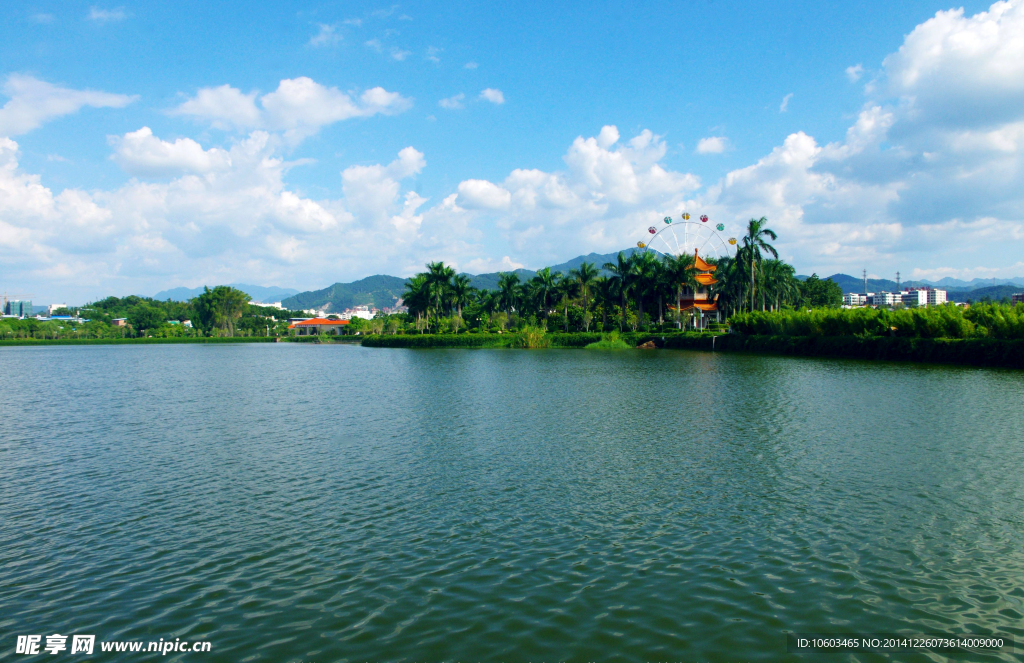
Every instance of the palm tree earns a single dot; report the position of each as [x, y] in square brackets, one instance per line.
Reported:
[508, 291]
[585, 275]
[753, 243]
[544, 285]
[461, 292]
[439, 277]
[622, 276]
[606, 292]
[778, 283]
[646, 272]
[417, 295]
[566, 290]
[679, 273]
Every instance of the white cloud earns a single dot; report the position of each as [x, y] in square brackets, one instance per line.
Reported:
[470, 65]
[712, 145]
[33, 102]
[784, 106]
[453, 103]
[299, 107]
[854, 73]
[433, 54]
[42, 18]
[399, 55]
[493, 96]
[141, 153]
[481, 194]
[929, 177]
[106, 15]
[327, 36]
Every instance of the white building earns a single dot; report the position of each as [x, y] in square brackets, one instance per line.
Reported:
[854, 299]
[923, 297]
[55, 307]
[363, 311]
[884, 299]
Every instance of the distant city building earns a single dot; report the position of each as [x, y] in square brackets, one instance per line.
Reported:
[1017, 298]
[52, 308]
[267, 304]
[363, 311]
[21, 308]
[854, 299]
[119, 322]
[884, 299]
[925, 296]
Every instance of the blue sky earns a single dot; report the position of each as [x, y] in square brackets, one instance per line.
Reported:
[150, 145]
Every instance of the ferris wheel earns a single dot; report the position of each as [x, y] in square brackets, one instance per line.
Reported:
[687, 236]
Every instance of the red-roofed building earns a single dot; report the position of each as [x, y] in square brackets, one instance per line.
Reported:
[315, 326]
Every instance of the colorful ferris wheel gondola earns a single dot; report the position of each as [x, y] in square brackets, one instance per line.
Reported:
[703, 218]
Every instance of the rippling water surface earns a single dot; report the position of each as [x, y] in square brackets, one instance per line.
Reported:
[338, 503]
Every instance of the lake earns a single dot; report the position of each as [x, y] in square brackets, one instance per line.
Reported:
[295, 502]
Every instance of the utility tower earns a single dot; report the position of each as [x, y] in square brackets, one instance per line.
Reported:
[865, 276]
[897, 281]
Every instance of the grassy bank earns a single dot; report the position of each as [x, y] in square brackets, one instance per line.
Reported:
[133, 341]
[509, 340]
[970, 351]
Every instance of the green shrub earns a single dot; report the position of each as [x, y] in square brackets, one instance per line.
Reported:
[609, 342]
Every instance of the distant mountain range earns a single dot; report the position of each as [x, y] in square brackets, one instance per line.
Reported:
[382, 290]
[258, 293]
[856, 284]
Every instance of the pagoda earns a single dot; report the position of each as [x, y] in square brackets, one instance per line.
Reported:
[698, 298]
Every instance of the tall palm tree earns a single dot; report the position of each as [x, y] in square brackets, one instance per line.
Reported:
[605, 294]
[585, 275]
[565, 291]
[439, 276]
[753, 244]
[461, 292]
[622, 277]
[646, 272]
[508, 291]
[544, 284]
[417, 295]
[778, 283]
[678, 274]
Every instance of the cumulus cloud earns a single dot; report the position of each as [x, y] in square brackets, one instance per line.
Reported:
[493, 96]
[142, 153]
[454, 102]
[712, 145]
[854, 73]
[470, 65]
[929, 177]
[299, 107]
[33, 102]
[784, 106]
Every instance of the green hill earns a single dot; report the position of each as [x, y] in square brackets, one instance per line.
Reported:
[380, 291]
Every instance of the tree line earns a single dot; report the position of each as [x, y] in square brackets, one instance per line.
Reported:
[222, 311]
[641, 290]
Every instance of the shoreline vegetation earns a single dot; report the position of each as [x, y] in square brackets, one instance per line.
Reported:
[753, 303]
[976, 351]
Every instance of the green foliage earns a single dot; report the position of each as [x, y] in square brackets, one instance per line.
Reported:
[818, 293]
[953, 322]
[530, 338]
[220, 308]
[610, 341]
[143, 317]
